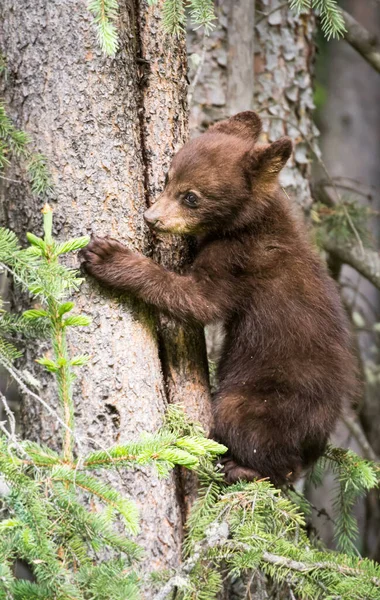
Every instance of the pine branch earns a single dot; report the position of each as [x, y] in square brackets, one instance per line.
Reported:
[331, 16]
[173, 16]
[15, 142]
[39, 175]
[164, 451]
[105, 13]
[356, 476]
[202, 14]
[105, 493]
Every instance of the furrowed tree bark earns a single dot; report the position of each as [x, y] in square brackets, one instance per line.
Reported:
[108, 127]
[284, 50]
[284, 57]
[164, 129]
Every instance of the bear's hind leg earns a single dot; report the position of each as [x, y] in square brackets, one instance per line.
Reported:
[234, 472]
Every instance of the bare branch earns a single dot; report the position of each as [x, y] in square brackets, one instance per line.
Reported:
[362, 40]
[19, 379]
[364, 261]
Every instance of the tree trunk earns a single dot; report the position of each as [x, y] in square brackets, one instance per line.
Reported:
[284, 58]
[284, 51]
[109, 127]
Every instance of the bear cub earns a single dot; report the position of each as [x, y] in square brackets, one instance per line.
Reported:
[286, 362]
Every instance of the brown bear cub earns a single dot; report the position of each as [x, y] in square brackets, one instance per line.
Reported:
[286, 361]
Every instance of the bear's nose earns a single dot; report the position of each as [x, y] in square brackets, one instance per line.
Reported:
[150, 219]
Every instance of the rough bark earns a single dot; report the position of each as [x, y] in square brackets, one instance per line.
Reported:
[283, 93]
[107, 126]
[284, 56]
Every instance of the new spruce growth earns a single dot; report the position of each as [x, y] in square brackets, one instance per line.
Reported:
[45, 520]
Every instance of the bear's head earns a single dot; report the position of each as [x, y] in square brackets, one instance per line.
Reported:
[219, 180]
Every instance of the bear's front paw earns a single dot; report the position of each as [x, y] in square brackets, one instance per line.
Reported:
[102, 257]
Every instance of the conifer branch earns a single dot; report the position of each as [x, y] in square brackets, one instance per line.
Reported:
[15, 142]
[331, 17]
[105, 14]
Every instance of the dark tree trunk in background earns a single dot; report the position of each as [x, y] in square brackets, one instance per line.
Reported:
[109, 128]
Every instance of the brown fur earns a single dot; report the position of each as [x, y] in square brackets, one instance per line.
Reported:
[286, 363]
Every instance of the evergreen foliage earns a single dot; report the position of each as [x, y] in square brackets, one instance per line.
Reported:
[45, 521]
[332, 21]
[246, 527]
[15, 143]
[105, 13]
[202, 14]
[346, 221]
[355, 477]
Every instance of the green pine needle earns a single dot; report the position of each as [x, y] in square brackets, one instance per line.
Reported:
[332, 20]
[105, 13]
[39, 175]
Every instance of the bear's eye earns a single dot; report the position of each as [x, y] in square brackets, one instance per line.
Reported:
[190, 199]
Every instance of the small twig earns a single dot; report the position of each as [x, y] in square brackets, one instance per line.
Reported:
[350, 188]
[11, 180]
[269, 13]
[17, 376]
[301, 567]
[11, 435]
[10, 415]
[355, 180]
[321, 512]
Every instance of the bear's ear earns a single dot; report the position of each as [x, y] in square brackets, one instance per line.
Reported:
[273, 158]
[246, 125]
